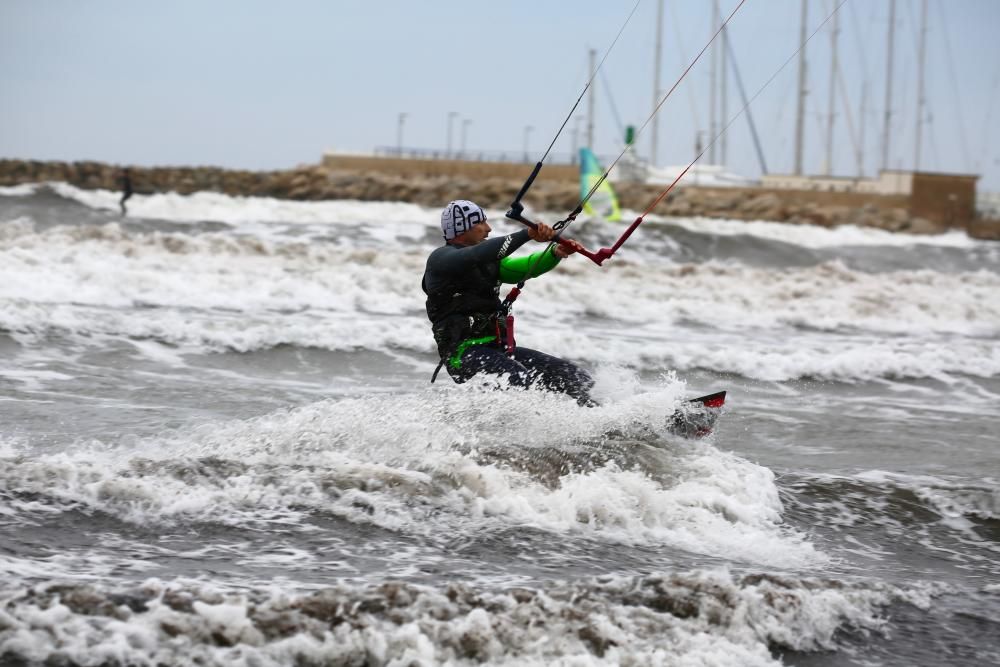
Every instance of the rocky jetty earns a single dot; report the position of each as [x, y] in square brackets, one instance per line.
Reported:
[317, 182]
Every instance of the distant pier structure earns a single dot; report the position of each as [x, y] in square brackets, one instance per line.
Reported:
[947, 199]
[415, 162]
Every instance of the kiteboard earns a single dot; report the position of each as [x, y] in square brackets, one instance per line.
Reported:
[697, 417]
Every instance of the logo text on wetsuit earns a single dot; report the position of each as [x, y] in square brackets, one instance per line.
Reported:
[503, 248]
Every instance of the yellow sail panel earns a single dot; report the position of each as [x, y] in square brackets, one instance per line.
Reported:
[603, 203]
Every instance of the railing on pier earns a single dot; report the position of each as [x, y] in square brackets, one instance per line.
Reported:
[508, 156]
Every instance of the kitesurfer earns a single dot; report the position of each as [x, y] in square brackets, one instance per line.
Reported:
[462, 282]
[125, 178]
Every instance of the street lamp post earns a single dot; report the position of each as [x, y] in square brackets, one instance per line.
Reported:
[399, 134]
[451, 117]
[527, 132]
[465, 126]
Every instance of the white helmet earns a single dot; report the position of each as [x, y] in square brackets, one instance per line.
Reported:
[459, 216]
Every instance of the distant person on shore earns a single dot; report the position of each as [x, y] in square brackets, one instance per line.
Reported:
[462, 283]
[126, 182]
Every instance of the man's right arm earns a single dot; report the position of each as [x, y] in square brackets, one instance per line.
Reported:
[455, 259]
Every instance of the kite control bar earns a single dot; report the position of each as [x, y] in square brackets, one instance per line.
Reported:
[516, 212]
[596, 257]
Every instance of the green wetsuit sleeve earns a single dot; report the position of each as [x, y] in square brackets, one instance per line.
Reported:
[515, 269]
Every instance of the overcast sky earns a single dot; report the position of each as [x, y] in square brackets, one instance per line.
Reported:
[260, 85]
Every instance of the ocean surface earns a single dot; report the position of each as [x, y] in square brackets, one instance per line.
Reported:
[219, 445]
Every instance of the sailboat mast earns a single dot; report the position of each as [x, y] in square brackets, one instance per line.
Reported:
[888, 86]
[590, 99]
[921, 101]
[713, 128]
[723, 110]
[830, 117]
[862, 114]
[746, 103]
[800, 115]
[656, 82]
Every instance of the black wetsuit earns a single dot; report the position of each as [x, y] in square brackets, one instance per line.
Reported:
[126, 191]
[462, 284]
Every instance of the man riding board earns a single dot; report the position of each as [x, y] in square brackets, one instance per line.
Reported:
[462, 282]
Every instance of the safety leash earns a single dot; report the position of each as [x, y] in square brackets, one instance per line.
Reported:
[516, 208]
[605, 253]
[562, 224]
[516, 211]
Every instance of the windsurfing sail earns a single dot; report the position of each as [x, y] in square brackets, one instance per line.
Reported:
[604, 202]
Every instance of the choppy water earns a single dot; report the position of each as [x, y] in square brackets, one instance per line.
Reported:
[218, 445]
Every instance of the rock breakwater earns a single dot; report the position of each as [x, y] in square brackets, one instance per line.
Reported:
[318, 182]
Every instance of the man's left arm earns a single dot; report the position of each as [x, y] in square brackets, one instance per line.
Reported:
[515, 269]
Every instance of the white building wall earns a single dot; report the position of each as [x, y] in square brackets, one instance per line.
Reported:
[988, 203]
[895, 183]
[888, 183]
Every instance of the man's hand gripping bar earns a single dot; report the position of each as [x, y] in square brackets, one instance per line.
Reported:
[516, 212]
